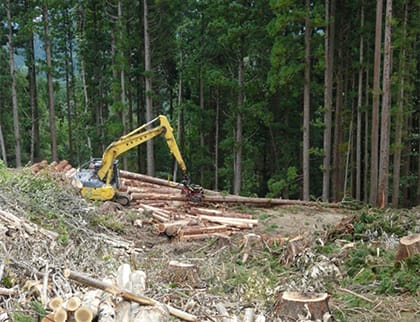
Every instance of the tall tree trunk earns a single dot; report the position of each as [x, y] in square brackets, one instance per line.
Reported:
[216, 141]
[202, 147]
[68, 91]
[382, 199]
[180, 121]
[399, 117]
[73, 93]
[51, 107]
[375, 105]
[366, 143]
[328, 75]
[337, 160]
[306, 103]
[237, 165]
[122, 77]
[359, 112]
[15, 107]
[148, 83]
[33, 98]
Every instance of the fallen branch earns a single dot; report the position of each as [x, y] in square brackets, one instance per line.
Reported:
[345, 290]
[110, 288]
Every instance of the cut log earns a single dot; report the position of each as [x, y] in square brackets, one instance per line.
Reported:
[83, 314]
[7, 291]
[170, 227]
[409, 245]
[235, 222]
[183, 274]
[55, 303]
[48, 318]
[60, 315]
[73, 303]
[196, 230]
[311, 306]
[161, 182]
[215, 212]
[110, 288]
[231, 199]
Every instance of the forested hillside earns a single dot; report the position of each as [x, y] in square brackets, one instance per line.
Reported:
[293, 99]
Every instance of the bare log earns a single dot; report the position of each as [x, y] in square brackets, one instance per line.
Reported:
[236, 222]
[312, 306]
[7, 291]
[409, 245]
[110, 288]
[215, 212]
[160, 182]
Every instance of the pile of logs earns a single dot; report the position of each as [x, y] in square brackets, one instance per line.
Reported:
[171, 213]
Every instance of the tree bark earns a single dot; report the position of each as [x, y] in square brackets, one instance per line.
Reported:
[149, 89]
[122, 77]
[306, 103]
[216, 141]
[237, 164]
[409, 245]
[375, 106]
[16, 130]
[382, 198]
[291, 305]
[33, 95]
[328, 81]
[399, 117]
[51, 104]
[359, 112]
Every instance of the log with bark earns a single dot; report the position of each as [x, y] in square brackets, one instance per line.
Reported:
[292, 306]
[409, 245]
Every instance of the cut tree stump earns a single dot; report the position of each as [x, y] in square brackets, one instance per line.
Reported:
[409, 245]
[183, 274]
[292, 306]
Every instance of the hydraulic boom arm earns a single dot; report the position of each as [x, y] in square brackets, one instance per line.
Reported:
[135, 138]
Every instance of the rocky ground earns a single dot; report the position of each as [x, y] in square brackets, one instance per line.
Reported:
[346, 251]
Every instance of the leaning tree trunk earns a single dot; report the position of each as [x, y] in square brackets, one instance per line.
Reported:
[14, 91]
[2, 147]
[382, 198]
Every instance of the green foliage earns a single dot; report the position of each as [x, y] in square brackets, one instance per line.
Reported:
[364, 267]
[285, 180]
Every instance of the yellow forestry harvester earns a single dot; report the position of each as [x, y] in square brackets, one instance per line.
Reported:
[99, 179]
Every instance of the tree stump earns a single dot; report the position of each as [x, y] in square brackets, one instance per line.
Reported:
[293, 306]
[295, 247]
[183, 274]
[409, 245]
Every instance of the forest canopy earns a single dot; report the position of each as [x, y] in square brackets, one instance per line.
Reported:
[295, 99]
